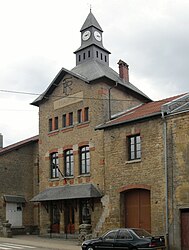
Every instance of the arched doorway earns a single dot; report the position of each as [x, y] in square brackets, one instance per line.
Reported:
[137, 209]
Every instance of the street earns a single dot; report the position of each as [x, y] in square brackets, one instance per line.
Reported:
[29, 242]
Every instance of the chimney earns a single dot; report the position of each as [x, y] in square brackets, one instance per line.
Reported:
[123, 70]
[1, 141]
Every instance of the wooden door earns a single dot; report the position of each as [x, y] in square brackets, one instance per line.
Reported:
[185, 229]
[55, 218]
[69, 218]
[138, 209]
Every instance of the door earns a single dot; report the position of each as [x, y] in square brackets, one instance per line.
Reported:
[185, 229]
[55, 218]
[14, 214]
[69, 218]
[138, 209]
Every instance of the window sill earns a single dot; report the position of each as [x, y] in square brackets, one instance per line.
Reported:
[133, 161]
[83, 124]
[83, 175]
[69, 177]
[54, 179]
[53, 132]
[66, 129]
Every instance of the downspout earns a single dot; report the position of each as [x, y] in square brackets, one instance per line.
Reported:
[109, 100]
[166, 178]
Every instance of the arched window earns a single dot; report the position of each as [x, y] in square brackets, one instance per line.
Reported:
[54, 169]
[69, 162]
[84, 160]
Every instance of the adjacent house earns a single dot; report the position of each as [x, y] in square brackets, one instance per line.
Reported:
[19, 181]
[146, 169]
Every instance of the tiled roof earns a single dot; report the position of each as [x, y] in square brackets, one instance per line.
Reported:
[140, 112]
[18, 144]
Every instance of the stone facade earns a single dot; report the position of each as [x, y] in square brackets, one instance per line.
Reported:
[94, 97]
[122, 175]
[19, 177]
[178, 172]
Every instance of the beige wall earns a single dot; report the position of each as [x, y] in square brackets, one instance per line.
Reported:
[121, 174]
[94, 96]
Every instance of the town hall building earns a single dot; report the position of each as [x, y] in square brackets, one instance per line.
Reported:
[107, 155]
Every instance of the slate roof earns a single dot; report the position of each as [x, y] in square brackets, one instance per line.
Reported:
[14, 198]
[19, 144]
[91, 21]
[88, 72]
[140, 112]
[94, 70]
[68, 192]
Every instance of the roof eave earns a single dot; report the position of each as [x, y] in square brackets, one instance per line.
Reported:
[55, 83]
[128, 121]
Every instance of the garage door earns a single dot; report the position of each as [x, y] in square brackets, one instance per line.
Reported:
[138, 209]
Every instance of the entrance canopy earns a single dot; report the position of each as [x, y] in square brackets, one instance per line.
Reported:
[14, 198]
[68, 192]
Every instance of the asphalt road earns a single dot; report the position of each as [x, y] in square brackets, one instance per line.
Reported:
[29, 242]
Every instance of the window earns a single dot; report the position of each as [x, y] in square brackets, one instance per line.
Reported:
[110, 235]
[86, 114]
[56, 123]
[134, 147]
[50, 124]
[69, 162]
[97, 54]
[83, 56]
[89, 53]
[124, 235]
[54, 165]
[79, 58]
[101, 56]
[71, 119]
[85, 212]
[84, 160]
[79, 116]
[64, 121]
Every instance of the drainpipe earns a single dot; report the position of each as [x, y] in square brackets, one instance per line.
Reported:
[109, 100]
[166, 178]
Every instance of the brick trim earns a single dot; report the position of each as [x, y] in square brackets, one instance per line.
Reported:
[54, 150]
[67, 147]
[134, 186]
[83, 143]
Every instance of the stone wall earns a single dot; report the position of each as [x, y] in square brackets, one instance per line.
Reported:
[18, 177]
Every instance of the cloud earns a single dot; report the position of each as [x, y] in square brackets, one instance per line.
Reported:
[37, 41]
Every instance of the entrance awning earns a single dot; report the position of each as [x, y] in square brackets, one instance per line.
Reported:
[68, 192]
[14, 198]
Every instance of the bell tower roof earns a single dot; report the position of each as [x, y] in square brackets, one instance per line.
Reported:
[91, 42]
[90, 21]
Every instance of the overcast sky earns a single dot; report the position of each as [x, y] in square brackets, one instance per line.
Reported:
[38, 38]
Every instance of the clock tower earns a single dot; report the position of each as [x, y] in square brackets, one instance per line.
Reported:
[91, 43]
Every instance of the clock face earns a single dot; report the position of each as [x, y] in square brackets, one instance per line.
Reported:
[86, 35]
[97, 36]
